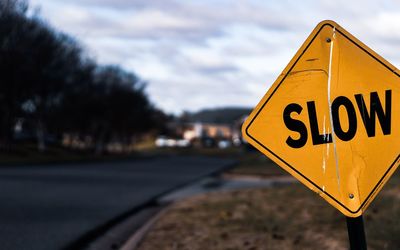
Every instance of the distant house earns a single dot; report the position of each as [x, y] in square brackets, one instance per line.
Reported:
[219, 127]
[201, 130]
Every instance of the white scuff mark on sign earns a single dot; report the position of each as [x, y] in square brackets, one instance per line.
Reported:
[330, 106]
[326, 148]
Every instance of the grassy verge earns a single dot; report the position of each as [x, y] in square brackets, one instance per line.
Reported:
[28, 154]
[290, 217]
[249, 162]
[255, 163]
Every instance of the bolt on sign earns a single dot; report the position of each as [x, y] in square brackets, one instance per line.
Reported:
[331, 119]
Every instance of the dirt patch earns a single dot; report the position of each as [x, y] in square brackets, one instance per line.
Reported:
[284, 217]
[250, 219]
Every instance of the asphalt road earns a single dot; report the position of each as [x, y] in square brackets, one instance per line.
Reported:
[49, 207]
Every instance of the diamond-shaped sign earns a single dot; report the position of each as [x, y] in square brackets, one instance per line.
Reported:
[331, 119]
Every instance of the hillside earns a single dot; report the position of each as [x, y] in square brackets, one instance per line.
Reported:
[226, 115]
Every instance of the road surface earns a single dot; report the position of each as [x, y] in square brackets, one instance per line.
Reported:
[49, 207]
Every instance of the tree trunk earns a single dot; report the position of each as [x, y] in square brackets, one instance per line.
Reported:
[7, 131]
[40, 135]
[100, 143]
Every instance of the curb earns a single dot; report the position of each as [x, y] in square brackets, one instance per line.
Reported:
[134, 241]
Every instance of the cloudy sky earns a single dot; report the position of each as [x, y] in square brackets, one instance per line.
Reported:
[202, 54]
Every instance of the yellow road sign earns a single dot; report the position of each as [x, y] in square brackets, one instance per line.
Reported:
[331, 119]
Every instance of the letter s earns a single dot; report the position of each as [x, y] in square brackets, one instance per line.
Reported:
[295, 125]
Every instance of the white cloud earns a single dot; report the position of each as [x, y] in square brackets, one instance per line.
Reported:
[158, 20]
[198, 54]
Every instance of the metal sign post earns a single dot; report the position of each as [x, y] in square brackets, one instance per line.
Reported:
[355, 228]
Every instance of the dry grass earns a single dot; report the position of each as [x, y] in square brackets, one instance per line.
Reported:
[255, 163]
[290, 217]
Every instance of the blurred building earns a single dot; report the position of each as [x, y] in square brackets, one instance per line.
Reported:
[208, 128]
[199, 130]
